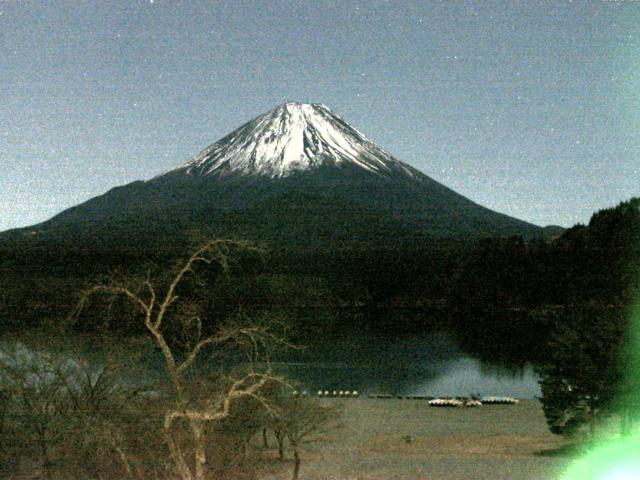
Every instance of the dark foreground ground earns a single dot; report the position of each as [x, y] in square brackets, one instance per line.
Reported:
[489, 442]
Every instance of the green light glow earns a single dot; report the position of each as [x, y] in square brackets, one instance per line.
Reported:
[615, 460]
[618, 457]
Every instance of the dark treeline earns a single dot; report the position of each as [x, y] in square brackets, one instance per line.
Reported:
[500, 296]
[514, 294]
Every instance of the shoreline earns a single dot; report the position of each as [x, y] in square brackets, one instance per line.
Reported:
[407, 439]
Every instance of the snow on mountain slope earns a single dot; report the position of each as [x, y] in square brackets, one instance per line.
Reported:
[348, 192]
[292, 137]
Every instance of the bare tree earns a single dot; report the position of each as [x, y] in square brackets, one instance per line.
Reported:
[193, 410]
[301, 420]
[307, 421]
[36, 392]
[60, 414]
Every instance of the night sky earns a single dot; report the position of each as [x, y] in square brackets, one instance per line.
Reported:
[530, 108]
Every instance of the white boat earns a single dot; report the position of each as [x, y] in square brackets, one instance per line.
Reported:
[446, 402]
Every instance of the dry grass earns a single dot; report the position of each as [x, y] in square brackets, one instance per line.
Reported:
[489, 442]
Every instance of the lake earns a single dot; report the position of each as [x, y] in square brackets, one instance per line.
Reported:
[430, 365]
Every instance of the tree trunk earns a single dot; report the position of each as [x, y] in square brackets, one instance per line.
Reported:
[245, 447]
[592, 421]
[46, 465]
[265, 442]
[200, 456]
[176, 453]
[624, 422]
[44, 453]
[296, 465]
[280, 439]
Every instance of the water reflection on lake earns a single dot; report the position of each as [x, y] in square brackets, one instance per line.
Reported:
[431, 366]
[467, 375]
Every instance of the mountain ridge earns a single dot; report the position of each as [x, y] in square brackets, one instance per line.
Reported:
[289, 138]
[250, 184]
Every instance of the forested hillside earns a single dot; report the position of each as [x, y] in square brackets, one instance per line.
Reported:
[500, 296]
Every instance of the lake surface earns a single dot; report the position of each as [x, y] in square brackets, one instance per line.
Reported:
[430, 365]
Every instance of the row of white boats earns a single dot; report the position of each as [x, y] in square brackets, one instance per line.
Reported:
[472, 402]
[456, 401]
[330, 393]
[432, 401]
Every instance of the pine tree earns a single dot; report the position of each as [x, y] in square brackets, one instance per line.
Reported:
[583, 372]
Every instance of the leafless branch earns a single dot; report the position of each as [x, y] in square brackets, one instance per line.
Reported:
[155, 308]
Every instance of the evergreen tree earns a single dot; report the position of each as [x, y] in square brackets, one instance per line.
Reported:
[583, 371]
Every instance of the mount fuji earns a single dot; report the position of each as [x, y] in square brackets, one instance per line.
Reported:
[297, 176]
[291, 138]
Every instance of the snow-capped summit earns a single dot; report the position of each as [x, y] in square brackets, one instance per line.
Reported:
[298, 177]
[290, 138]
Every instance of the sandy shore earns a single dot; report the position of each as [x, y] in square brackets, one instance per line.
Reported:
[488, 442]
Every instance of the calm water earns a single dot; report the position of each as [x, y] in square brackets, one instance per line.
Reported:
[431, 365]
